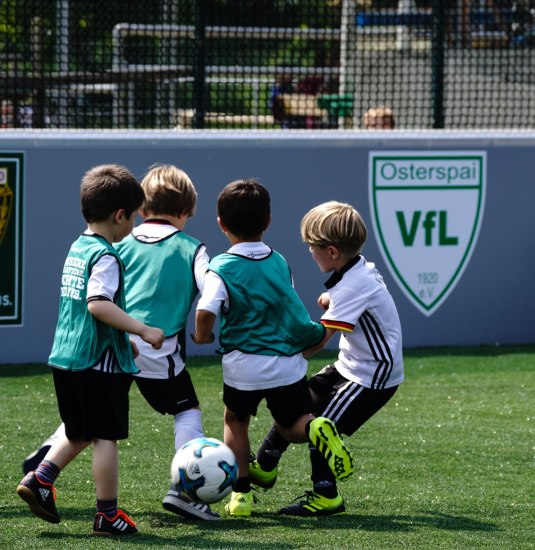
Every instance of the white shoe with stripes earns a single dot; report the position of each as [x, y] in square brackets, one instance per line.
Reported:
[181, 504]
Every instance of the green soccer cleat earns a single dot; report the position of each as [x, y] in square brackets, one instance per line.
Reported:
[315, 505]
[324, 436]
[261, 478]
[240, 504]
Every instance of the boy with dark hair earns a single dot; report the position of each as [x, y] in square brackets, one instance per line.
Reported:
[369, 368]
[264, 329]
[165, 269]
[91, 358]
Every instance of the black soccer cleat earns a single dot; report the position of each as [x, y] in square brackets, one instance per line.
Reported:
[118, 525]
[40, 497]
[315, 505]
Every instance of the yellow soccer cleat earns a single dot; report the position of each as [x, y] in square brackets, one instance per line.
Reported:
[315, 505]
[324, 436]
[260, 477]
[240, 504]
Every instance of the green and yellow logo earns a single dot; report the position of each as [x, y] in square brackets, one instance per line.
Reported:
[6, 202]
[427, 209]
[11, 184]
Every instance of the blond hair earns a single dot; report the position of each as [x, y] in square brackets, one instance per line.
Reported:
[169, 190]
[337, 224]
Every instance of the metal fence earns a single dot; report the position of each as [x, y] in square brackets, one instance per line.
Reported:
[258, 64]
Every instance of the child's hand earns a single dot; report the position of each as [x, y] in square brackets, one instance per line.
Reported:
[153, 336]
[324, 300]
[135, 350]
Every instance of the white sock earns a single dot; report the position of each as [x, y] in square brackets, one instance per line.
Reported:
[60, 432]
[188, 426]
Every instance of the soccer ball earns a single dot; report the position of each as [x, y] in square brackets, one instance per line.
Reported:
[205, 468]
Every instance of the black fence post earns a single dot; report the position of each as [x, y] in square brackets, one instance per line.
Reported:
[199, 69]
[438, 45]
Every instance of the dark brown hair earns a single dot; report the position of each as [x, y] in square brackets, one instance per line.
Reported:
[244, 208]
[108, 188]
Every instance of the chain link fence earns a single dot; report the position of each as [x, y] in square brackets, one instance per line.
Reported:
[264, 64]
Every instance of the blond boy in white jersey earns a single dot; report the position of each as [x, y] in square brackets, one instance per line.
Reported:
[369, 368]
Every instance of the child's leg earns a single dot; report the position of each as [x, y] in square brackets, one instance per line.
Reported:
[350, 405]
[65, 450]
[176, 396]
[271, 450]
[37, 487]
[240, 405]
[32, 460]
[106, 468]
[236, 436]
[109, 520]
[323, 480]
[322, 434]
[298, 432]
[187, 426]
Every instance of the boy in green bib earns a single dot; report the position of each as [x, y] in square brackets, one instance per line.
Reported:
[264, 329]
[92, 356]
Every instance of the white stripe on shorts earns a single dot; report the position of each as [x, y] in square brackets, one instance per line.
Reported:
[341, 401]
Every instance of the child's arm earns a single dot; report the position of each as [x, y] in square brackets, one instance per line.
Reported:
[200, 267]
[309, 352]
[324, 300]
[204, 325]
[111, 314]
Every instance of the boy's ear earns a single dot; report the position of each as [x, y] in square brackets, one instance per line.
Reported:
[221, 225]
[334, 252]
[119, 216]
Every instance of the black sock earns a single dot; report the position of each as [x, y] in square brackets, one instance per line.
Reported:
[271, 450]
[322, 477]
[107, 507]
[242, 485]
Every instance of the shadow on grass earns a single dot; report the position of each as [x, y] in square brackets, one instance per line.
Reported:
[394, 523]
[403, 523]
[182, 533]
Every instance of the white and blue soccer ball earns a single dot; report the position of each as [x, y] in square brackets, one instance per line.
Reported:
[205, 468]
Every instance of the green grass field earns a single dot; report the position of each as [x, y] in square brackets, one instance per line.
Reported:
[448, 463]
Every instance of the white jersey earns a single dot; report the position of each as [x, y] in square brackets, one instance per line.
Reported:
[245, 371]
[370, 341]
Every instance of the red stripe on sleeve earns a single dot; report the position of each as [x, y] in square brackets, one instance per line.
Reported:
[337, 325]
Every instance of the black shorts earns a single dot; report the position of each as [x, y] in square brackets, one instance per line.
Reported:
[286, 403]
[93, 404]
[348, 404]
[169, 395]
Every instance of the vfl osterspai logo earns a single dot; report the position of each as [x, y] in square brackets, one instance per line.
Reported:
[6, 202]
[427, 209]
